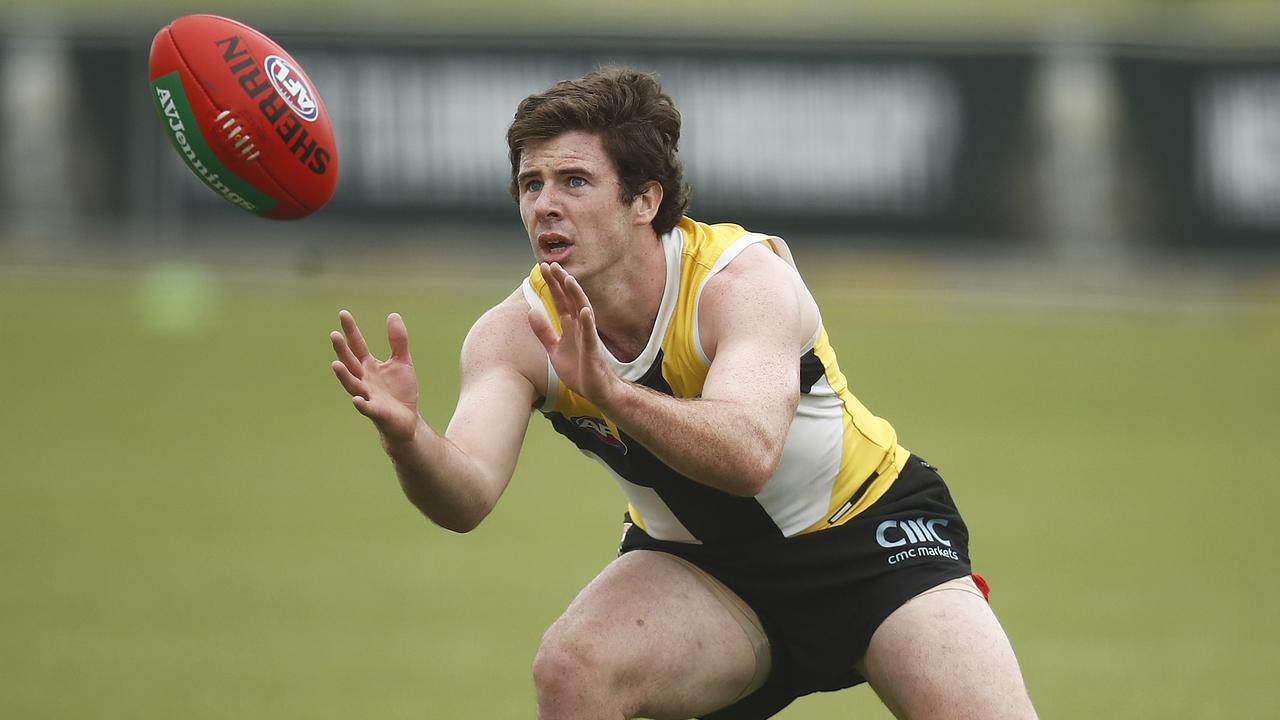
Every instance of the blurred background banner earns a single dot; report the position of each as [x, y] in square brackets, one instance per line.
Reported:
[1204, 129]
[886, 136]
[907, 137]
[1088, 149]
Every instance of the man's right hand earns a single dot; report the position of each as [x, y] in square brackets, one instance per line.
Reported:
[386, 392]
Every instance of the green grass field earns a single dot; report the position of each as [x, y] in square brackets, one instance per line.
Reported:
[195, 524]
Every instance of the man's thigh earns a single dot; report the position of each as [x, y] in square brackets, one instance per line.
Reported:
[944, 655]
[663, 637]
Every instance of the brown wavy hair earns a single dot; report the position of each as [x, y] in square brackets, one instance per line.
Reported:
[636, 120]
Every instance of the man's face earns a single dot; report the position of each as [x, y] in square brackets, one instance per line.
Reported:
[571, 203]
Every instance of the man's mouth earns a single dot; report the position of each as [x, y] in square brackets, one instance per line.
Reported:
[553, 244]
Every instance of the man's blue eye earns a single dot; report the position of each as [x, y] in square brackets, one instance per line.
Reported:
[533, 185]
[575, 182]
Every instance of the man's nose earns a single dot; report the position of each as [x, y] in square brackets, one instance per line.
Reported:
[547, 203]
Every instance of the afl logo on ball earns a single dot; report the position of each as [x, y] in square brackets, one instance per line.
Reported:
[293, 87]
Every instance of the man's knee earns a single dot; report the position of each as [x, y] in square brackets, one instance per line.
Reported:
[572, 678]
[559, 669]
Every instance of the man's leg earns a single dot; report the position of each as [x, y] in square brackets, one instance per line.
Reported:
[944, 655]
[649, 637]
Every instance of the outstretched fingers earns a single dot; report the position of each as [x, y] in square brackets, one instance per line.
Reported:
[576, 296]
[398, 336]
[345, 356]
[588, 346]
[354, 338]
[541, 327]
[557, 282]
[352, 384]
[380, 390]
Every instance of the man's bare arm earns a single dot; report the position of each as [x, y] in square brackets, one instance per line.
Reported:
[454, 478]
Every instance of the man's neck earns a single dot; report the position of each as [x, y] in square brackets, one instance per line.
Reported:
[626, 301]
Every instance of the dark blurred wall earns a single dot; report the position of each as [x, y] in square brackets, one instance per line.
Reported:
[901, 140]
[1204, 129]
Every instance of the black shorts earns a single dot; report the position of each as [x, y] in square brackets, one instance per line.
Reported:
[821, 596]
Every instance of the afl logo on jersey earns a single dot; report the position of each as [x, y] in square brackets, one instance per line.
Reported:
[293, 87]
[601, 430]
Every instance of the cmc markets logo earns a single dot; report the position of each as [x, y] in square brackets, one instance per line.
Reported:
[896, 533]
[903, 533]
[601, 429]
[293, 87]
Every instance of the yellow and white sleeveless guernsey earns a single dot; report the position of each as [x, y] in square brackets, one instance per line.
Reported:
[838, 458]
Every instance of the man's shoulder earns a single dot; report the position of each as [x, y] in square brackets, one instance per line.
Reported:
[718, 244]
[508, 316]
[699, 234]
[755, 271]
[753, 264]
[502, 335]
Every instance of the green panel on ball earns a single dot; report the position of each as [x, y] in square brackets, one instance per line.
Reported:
[179, 121]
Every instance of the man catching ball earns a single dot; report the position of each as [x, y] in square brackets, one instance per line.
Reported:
[779, 540]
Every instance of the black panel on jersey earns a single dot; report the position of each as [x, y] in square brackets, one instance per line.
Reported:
[811, 371]
[710, 515]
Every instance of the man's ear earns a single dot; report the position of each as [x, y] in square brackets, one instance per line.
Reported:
[647, 202]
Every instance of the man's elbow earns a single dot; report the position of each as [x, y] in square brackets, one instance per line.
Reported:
[460, 520]
[461, 528]
[759, 464]
[461, 523]
[749, 487]
[756, 472]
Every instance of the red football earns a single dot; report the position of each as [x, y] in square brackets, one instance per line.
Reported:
[244, 116]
